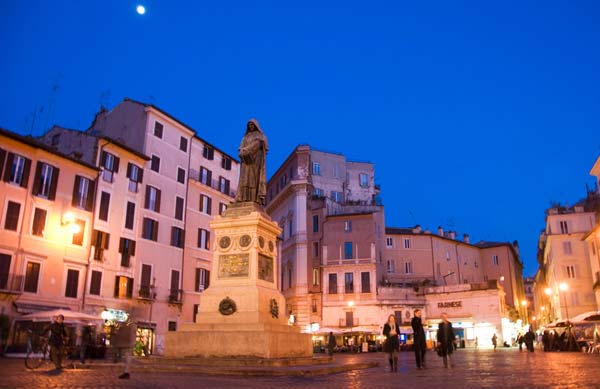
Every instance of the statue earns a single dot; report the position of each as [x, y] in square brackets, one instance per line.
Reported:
[252, 186]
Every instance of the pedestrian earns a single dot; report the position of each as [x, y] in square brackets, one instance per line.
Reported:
[123, 341]
[495, 341]
[445, 339]
[520, 340]
[546, 340]
[86, 338]
[331, 343]
[419, 345]
[57, 339]
[391, 331]
[529, 338]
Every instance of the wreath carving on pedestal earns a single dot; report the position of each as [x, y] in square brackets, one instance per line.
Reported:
[227, 306]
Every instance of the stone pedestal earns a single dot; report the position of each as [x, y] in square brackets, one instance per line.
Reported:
[242, 313]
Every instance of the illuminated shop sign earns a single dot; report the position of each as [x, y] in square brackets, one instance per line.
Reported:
[114, 315]
[450, 304]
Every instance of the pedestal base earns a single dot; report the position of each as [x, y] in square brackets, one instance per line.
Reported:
[234, 340]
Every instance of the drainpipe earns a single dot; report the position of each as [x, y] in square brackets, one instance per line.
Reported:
[187, 196]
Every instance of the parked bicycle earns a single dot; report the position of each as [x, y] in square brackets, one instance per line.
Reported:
[37, 353]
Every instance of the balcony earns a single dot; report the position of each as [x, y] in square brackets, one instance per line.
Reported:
[146, 293]
[175, 296]
[11, 283]
[98, 254]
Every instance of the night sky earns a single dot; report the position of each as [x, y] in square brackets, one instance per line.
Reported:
[477, 116]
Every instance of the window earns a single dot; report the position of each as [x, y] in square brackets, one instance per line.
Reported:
[338, 197]
[39, 222]
[180, 175]
[152, 201]
[318, 192]
[96, 283]
[224, 185]
[316, 249]
[110, 165]
[127, 250]
[389, 241]
[408, 267]
[363, 180]
[208, 152]
[564, 227]
[4, 269]
[336, 171]
[100, 242]
[174, 293]
[195, 312]
[129, 216]
[78, 236]
[205, 176]
[290, 228]
[314, 305]
[365, 282]
[447, 255]
[83, 193]
[172, 326]
[202, 279]
[391, 266]
[12, 216]
[145, 286]
[135, 174]
[177, 237]
[17, 170]
[104, 205]
[567, 248]
[290, 273]
[226, 163]
[316, 276]
[203, 239]
[72, 283]
[178, 208]
[158, 130]
[32, 275]
[282, 181]
[45, 181]
[348, 250]
[55, 140]
[495, 260]
[222, 208]
[205, 204]
[155, 163]
[123, 287]
[315, 223]
[348, 282]
[348, 226]
[183, 142]
[332, 283]
[570, 270]
[150, 229]
[406, 243]
[316, 169]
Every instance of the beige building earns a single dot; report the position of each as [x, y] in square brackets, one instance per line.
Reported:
[564, 286]
[45, 229]
[592, 238]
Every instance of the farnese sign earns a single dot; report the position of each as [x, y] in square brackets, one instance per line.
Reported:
[450, 304]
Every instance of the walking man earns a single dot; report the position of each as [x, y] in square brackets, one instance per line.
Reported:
[123, 341]
[58, 336]
[445, 338]
[419, 339]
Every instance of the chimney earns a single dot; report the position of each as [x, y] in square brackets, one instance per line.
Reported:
[452, 234]
[417, 229]
[466, 238]
[440, 231]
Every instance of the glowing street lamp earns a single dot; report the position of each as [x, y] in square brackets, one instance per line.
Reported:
[564, 288]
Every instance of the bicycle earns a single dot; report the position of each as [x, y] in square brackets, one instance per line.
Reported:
[37, 355]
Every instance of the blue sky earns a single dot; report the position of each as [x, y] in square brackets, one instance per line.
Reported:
[476, 114]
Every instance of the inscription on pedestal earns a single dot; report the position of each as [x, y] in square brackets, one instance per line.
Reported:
[234, 265]
[265, 268]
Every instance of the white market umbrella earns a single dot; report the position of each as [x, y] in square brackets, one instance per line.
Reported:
[70, 316]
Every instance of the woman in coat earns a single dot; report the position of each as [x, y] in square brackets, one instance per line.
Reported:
[445, 338]
[391, 331]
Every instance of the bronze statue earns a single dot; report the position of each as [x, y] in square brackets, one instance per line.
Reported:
[252, 186]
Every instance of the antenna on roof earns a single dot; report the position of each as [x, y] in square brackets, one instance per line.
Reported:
[104, 97]
[51, 99]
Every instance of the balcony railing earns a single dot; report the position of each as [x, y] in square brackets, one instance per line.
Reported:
[147, 292]
[13, 283]
[175, 296]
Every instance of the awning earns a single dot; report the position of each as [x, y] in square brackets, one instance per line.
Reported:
[68, 315]
[29, 308]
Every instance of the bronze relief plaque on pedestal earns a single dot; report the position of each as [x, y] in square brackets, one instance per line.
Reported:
[265, 268]
[234, 265]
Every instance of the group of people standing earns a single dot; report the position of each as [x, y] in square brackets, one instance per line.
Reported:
[445, 340]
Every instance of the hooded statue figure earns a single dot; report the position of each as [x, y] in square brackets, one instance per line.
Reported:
[252, 186]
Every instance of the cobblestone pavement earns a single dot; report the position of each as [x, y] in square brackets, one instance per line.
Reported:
[474, 369]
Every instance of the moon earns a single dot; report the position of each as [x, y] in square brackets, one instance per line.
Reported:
[140, 9]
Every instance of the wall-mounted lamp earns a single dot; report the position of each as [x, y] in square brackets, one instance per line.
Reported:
[68, 220]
